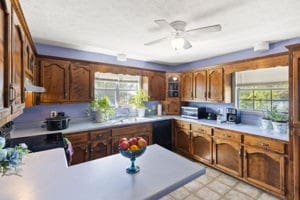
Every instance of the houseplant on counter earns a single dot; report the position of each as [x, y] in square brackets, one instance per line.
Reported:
[279, 121]
[102, 108]
[138, 102]
[266, 122]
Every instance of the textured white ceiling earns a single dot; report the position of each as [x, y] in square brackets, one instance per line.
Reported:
[123, 26]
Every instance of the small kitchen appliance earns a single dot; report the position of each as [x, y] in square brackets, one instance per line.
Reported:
[59, 122]
[233, 116]
[193, 112]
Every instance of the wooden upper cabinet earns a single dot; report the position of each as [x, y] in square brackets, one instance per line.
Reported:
[187, 86]
[55, 79]
[215, 84]
[17, 70]
[81, 83]
[265, 169]
[157, 86]
[200, 82]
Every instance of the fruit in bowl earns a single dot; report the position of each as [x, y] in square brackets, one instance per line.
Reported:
[132, 148]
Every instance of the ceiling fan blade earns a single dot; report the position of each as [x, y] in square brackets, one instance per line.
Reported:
[213, 28]
[156, 41]
[164, 24]
[187, 44]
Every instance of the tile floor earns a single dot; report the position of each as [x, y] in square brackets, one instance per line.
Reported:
[215, 185]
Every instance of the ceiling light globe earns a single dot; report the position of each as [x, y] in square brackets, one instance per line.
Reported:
[177, 43]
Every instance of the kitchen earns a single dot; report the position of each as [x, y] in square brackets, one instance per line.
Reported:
[217, 105]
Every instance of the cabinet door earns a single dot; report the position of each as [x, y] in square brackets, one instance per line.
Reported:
[202, 147]
[172, 107]
[5, 45]
[182, 140]
[100, 149]
[187, 86]
[265, 169]
[215, 84]
[55, 79]
[200, 92]
[80, 146]
[17, 71]
[81, 83]
[227, 156]
[295, 90]
[157, 86]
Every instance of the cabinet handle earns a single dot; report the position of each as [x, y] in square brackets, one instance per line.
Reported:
[13, 93]
[264, 144]
[86, 150]
[66, 94]
[226, 135]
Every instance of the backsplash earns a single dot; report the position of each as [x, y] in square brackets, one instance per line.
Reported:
[247, 117]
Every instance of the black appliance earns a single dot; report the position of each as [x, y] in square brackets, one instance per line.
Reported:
[59, 122]
[162, 133]
[39, 142]
[211, 116]
[193, 112]
[233, 116]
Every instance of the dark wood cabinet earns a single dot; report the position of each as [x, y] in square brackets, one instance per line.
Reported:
[81, 82]
[100, 142]
[186, 85]
[80, 146]
[182, 137]
[172, 107]
[55, 79]
[215, 84]
[265, 169]
[157, 86]
[200, 83]
[17, 66]
[201, 143]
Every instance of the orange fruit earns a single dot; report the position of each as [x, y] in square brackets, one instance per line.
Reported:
[134, 148]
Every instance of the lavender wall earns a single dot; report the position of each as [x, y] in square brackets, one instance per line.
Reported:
[62, 52]
[277, 47]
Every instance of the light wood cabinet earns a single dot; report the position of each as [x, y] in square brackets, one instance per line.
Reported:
[215, 84]
[157, 86]
[182, 137]
[186, 85]
[265, 169]
[171, 105]
[200, 85]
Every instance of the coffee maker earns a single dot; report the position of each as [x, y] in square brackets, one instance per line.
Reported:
[233, 116]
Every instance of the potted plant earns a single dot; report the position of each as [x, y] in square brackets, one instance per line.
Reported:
[266, 122]
[137, 101]
[103, 110]
[279, 121]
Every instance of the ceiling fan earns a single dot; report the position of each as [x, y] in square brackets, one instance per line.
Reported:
[178, 32]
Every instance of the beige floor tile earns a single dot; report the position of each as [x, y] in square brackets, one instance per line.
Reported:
[218, 187]
[204, 179]
[180, 193]
[248, 189]
[192, 197]
[193, 186]
[228, 180]
[167, 197]
[266, 196]
[235, 195]
[212, 172]
[207, 194]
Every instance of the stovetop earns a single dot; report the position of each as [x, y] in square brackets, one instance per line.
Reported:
[39, 142]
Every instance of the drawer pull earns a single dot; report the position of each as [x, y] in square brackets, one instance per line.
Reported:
[264, 144]
[226, 135]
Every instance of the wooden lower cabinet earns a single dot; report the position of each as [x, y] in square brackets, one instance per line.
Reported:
[100, 145]
[80, 146]
[182, 140]
[227, 156]
[265, 169]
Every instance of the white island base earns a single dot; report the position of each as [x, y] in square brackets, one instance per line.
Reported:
[46, 176]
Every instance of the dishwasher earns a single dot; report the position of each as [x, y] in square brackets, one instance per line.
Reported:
[162, 133]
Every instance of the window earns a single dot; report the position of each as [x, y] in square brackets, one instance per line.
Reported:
[118, 88]
[263, 89]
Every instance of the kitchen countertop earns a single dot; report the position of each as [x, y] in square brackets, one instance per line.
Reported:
[80, 126]
[46, 176]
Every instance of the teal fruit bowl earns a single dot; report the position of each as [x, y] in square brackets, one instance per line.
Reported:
[132, 155]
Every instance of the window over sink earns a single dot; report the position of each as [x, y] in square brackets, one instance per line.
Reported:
[119, 88]
[262, 89]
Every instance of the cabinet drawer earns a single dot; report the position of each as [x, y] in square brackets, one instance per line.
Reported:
[227, 135]
[201, 129]
[78, 138]
[265, 143]
[133, 129]
[100, 134]
[182, 124]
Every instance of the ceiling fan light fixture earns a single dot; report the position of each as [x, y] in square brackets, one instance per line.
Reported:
[177, 43]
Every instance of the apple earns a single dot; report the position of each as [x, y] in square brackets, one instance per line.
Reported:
[122, 139]
[138, 138]
[124, 145]
[142, 143]
[132, 141]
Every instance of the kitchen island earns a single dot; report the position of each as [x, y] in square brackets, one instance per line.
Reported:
[46, 176]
